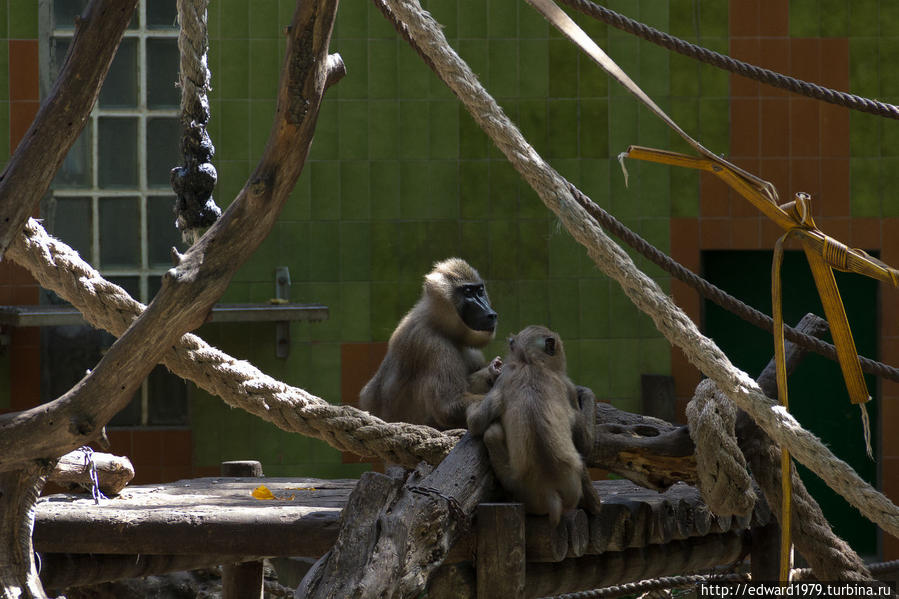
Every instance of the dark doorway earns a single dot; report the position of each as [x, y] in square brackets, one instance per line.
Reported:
[817, 393]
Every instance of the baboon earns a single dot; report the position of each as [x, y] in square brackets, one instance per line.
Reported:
[533, 430]
[434, 368]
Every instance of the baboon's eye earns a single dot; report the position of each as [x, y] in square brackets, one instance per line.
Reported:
[549, 345]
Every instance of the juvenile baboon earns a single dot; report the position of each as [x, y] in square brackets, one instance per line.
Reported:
[533, 430]
[434, 367]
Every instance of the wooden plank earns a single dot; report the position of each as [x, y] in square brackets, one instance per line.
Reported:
[242, 580]
[500, 566]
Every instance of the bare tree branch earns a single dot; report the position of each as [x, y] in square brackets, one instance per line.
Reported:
[203, 273]
[63, 114]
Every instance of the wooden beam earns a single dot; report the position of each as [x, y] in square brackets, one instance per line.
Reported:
[500, 565]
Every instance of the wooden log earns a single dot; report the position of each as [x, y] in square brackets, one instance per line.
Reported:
[596, 571]
[578, 528]
[662, 520]
[545, 542]
[501, 550]
[62, 570]
[651, 452]
[432, 508]
[453, 581]
[611, 529]
[113, 472]
[242, 580]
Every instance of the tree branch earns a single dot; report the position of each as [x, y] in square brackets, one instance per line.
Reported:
[63, 114]
[203, 273]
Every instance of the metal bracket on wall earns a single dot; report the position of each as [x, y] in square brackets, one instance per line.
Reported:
[282, 327]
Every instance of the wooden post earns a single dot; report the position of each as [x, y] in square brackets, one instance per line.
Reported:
[501, 550]
[242, 581]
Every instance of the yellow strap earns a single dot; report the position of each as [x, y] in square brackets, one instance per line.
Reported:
[786, 482]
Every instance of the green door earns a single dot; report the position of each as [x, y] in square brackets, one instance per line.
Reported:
[817, 393]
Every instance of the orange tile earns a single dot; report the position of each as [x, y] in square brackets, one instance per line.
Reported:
[24, 386]
[774, 54]
[684, 234]
[770, 233]
[745, 233]
[890, 546]
[775, 134]
[13, 274]
[805, 175]
[119, 442]
[805, 58]
[20, 116]
[744, 18]
[23, 70]
[890, 241]
[834, 130]
[177, 448]
[777, 171]
[714, 234]
[25, 337]
[835, 54]
[687, 299]
[5, 295]
[24, 295]
[864, 233]
[748, 50]
[889, 422]
[835, 187]
[774, 21]
[890, 474]
[686, 376]
[744, 133]
[147, 475]
[680, 414]
[889, 353]
[838, 228]
[805, 134]
[147, 449]
[714, 196]
[353, 371]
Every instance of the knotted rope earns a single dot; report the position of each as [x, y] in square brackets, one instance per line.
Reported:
[194, 181]
[676, 326]
[724, 482]
[58, 267]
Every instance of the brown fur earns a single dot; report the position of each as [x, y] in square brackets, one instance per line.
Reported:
[424, 378]
[532, 427]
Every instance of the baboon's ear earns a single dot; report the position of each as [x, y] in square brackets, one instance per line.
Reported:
[549, 346]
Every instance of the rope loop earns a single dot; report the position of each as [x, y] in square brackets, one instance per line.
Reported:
[724, 481]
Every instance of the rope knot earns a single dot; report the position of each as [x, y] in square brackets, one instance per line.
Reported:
[723, 479]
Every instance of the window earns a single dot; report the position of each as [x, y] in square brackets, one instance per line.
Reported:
[112, 200]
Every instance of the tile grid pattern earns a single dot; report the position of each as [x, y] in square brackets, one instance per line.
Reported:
[399, 176]
[19, 101]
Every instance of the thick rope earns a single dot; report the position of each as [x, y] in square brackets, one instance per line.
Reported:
[677, 327]
[194, 181]
[717, 295]
[724, 482]
[58, 267]
[733, 65]
[689, 580]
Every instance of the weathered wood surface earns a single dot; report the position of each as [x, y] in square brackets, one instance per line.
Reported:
[432, 508]
[199, 516]
[500, 568]
[242, 579]
[113, 472]
[220, 516]
[651, 452]
[63, 570]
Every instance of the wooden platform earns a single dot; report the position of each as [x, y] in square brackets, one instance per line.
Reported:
[219, 516]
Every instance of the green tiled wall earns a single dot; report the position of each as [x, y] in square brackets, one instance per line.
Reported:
[873, 29]
[400, 176]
